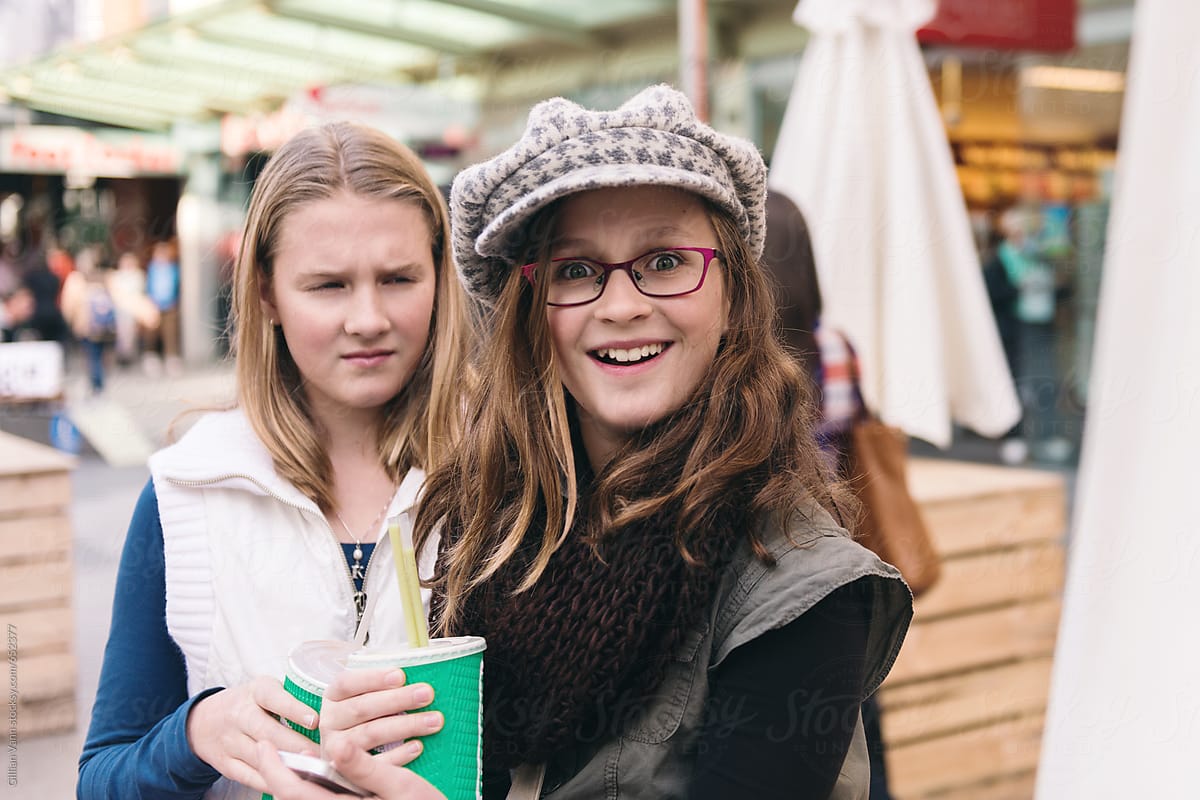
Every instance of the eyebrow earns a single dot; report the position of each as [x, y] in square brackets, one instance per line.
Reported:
[643, 236]
[326, 272]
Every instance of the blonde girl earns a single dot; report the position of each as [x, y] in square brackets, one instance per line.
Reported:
[262, 527]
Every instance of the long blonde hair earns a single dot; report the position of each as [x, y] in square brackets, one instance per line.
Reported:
[746, 431]
[424, 418]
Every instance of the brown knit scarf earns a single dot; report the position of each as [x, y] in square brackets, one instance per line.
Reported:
[572, 660]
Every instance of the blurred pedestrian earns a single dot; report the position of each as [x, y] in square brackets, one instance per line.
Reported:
[1031, 307]
[60, 263]
[162, 285]
[45, 322]
[16, 307]
[137, 314]
[89, 309]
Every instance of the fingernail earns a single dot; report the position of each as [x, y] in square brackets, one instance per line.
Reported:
[413, 748]
[433, 721]
[396, 678]
[310, 721]
[423, 693]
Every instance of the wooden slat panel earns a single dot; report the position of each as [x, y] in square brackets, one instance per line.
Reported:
[1012, 787]
[958, 644]
[936, 707]
[39, 534]
[23, 492]
[934, 480]
[46, 676]
[49, 627]
[45, 717]
[19, 455]
[985, 523]
[956, 762]
[25, 585]
[989, 579]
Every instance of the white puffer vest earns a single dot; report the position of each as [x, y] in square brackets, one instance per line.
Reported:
[253, 568]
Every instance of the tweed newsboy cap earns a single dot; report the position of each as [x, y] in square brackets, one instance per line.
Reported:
[653, 139]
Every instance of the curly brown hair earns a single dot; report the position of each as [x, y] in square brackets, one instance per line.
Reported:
[745, 432]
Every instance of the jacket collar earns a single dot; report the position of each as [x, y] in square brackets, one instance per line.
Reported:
[222, 451]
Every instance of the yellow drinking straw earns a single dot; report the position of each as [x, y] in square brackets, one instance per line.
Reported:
[400, 533]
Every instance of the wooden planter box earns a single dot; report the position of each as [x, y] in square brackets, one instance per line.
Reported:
[36, 584]
[963, 708]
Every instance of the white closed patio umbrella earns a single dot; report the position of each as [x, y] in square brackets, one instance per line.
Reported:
[1124, 713]
[863, 153]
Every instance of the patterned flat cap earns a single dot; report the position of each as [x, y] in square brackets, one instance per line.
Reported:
[654, 138]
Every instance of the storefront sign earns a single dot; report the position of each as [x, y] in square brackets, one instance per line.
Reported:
[31, 370]
[55, 150]
[1042, 25]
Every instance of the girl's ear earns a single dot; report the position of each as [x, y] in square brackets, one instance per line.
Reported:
[266, 300]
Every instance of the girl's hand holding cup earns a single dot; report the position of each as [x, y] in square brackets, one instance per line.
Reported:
[225, 728]
[373, 708]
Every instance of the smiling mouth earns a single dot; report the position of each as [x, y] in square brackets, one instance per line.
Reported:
[632, 355]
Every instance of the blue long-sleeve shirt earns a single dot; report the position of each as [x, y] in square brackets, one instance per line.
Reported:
[137, 744]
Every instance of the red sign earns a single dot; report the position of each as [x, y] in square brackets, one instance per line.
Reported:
[1045, 25]
[105, 154]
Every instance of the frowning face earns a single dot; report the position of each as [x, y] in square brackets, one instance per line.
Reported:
[353, 291]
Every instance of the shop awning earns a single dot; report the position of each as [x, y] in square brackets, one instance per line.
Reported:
[242, 56]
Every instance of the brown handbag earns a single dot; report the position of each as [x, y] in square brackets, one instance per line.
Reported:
[890, 523]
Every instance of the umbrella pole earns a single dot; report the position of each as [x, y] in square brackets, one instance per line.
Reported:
[693, 54]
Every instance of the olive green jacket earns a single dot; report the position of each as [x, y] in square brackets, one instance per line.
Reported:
[655, 755]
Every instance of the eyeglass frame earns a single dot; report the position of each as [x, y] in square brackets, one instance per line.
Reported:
[709, 253]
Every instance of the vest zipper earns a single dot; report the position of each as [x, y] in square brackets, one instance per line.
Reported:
[366, 575]
[341, 555]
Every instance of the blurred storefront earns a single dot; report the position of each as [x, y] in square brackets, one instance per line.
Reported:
[79, 187]
[1031, 99]
[1030, 93]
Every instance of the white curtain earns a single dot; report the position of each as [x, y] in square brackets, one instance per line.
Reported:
[863, 153]
[1124, 715]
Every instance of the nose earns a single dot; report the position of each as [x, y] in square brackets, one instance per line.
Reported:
[621, 301]
[366, 315]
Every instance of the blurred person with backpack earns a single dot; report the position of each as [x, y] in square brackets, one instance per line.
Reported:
[88, 305]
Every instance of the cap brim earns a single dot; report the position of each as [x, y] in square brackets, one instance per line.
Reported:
[496, 240]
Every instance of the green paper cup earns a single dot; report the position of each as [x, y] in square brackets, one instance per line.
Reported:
[452, 757]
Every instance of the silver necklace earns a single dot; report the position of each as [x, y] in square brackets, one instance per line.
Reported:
[358, 569]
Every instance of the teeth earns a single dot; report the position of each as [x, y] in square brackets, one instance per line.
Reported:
[632, 354]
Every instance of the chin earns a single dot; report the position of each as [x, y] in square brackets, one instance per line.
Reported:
[635, 423]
